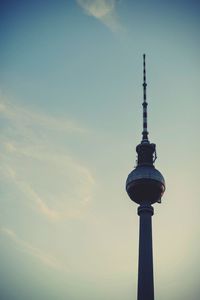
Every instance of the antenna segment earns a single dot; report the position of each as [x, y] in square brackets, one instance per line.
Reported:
[144, 104]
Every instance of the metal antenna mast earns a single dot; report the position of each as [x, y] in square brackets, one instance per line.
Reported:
[144, 104]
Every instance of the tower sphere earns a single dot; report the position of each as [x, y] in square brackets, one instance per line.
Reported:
[145, 184]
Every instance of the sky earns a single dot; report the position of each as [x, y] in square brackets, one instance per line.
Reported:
[70, 119]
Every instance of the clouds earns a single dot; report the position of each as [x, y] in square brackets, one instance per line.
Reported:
[19, 115]
[24, 246]
[38, 166]
[97, 8]
[103, 10]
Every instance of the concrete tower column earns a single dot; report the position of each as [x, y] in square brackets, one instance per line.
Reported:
[145, 265]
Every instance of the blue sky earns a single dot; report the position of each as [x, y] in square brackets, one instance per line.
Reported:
[70, 115]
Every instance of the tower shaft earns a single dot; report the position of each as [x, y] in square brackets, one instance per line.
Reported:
[145, 266]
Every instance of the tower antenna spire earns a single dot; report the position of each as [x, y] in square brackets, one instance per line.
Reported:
[144, 104]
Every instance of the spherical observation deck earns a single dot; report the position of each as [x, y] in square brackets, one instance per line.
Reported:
[145, 183]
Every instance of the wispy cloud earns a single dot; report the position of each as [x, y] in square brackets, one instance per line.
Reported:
[24, 246]
[103, 10]
[36, 162]
[18, 115]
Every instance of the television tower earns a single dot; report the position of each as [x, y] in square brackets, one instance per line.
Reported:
[145, 185]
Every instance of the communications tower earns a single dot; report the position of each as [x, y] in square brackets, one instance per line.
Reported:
[145, 185]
